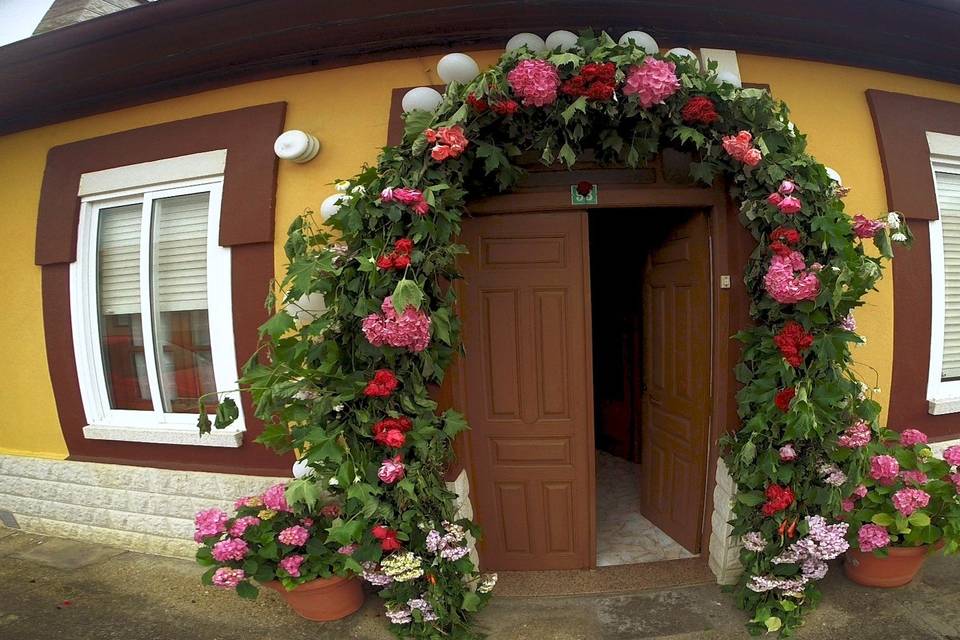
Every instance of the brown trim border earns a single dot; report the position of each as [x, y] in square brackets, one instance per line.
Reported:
[901, 122]
[246, 226]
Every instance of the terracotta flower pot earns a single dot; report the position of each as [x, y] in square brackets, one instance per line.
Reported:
[323, 599]
[896, 570]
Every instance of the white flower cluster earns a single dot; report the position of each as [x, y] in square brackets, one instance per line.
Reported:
[402, 567]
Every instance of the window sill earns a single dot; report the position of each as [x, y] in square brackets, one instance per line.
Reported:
[166, 434]
[943, 406]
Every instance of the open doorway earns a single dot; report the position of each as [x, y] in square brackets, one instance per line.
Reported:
[649, 280]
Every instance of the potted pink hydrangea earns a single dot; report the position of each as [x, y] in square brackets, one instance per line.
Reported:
[907, 507]
[271, 543]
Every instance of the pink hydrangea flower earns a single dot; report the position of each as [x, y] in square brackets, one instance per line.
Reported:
[535, 82]
[907, 501]
[291, 564]
[275, 498]
[911, 437]
[411, 329]
[848, 505]
[914, 477]
[955, 479]
[391, 470]
[866, 228]
[295, 536]
[787, 281]
[240, 525]
[788, 453]
[857, 436]
[209, 522]
[884, 469]
[347, 549]
[952, 455]
[230, 549]
[228, 578]
[653, 81]
[871, 537]
[860, 491]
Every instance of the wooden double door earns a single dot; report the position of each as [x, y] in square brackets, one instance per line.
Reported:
[527, 381]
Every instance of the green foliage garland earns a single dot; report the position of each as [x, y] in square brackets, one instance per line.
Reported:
[309, 385]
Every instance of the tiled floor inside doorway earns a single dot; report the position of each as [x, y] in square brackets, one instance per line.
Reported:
[623, 535]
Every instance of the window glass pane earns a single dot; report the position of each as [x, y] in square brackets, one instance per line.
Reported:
[948, 197]
[179, 296]
[118, 297]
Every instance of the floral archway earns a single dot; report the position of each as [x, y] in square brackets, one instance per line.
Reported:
[350, 390]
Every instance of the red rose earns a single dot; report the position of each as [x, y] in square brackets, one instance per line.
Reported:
[404, 424]
[780, 249]
[383, 384]
[603, 71]
[479, 104]
[404, 246]
[401, 262]
[778, 499]
[505, 107]
[392, 438]
[584, 187]
[575, 86]
[385, 262]
[699, 110]
[783, 234]
[791, 341]
[600, 91]
[380, 532]
[390, 544]
[784, 397]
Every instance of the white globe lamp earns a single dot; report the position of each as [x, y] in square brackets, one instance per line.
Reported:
[457, 67]
[641, 39]
[529, 40]
[421, 99]
[306, 308]
[302, 469]
[331, 205]
[296, 146]
[833, 175]
[562, 39]
[680, 52]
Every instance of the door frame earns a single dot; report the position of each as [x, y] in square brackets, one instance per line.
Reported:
[730, 247]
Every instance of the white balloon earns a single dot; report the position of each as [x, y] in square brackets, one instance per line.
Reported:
[457, 67]
[564, 40]
[531, 40]
[833, 175]
[643, 40]
[729, 77]
[302, 469]
[684, 53]
[331, 205]
[422, 98]
[296, 146]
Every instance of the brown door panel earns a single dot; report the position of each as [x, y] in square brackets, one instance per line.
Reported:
[676, 368]
[527, 379]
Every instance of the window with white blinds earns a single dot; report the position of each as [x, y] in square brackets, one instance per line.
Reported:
[151, 300]
[948, 201]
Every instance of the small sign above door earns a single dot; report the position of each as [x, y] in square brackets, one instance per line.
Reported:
[577, 199]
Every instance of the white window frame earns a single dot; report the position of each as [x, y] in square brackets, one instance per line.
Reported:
[104, 423]
[942, 397]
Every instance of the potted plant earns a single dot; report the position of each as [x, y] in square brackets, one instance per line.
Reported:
[906, 508]
[283, 546]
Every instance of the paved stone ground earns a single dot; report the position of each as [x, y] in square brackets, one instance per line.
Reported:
[114, 594]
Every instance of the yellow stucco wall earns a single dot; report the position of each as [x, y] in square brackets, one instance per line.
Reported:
[347, 110]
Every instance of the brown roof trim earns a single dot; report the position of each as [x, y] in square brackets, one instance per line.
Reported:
[246, 227]
[176, 47]
[901, 122]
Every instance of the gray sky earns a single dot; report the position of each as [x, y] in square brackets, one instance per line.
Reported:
[18, 18]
